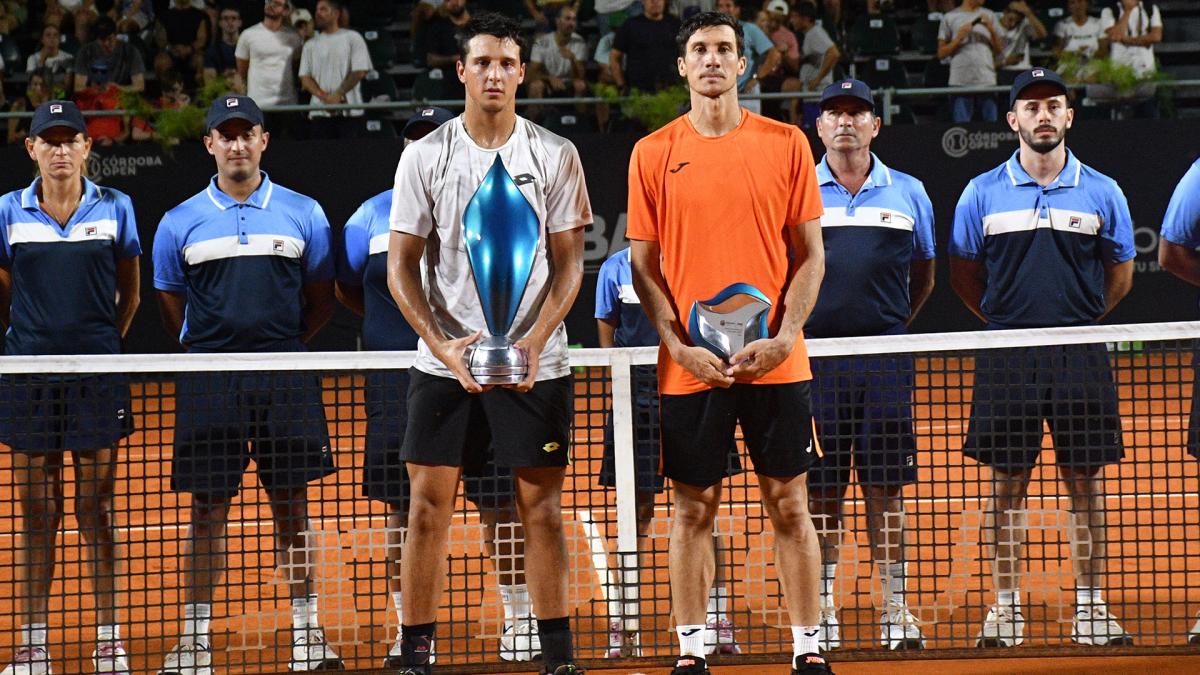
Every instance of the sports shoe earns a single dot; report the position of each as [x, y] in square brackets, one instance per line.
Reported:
[690, 665]
[898, 629]
[394, 656]
[811, 664]
[622, 643]
[829, 634]
[416, 670]
[719, 637]
[187, 658]
[565, 669]
[29, 661]
[109, 658]
[520, 641]
[311, 652]
[1093, 625]
[1003, 627]
[1194, 633]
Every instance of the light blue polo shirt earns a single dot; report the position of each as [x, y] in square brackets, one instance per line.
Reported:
[617, 301]
[363, 262]
[755, 44]
[871, 238]
[243, 266]
[1044, 248]
[64, 277]
[1181, 225]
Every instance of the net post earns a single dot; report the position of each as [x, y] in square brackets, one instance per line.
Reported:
[621, 371]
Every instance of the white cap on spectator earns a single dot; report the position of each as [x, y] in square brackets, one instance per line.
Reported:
[778, 7]
[301, 14]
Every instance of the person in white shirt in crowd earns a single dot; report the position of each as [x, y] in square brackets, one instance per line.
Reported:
[332, 66]
[1133, 33]
[969, 37]
[556, 62]
[818, 55]
[1080, 33]
[267, 56]
[1019, 26]
[50, 58]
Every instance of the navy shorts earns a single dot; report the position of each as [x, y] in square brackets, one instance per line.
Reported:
[449, 427]
[1193, 442]
[1069, 387]
[863, 411]
[777, 425]
[279, 416]
[41, 414]
[384, 477]
[646, 441]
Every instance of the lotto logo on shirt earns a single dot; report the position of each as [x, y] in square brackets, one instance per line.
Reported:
[277, 246]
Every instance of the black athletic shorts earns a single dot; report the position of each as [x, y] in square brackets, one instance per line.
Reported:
[43, 414]
[1069, 387]
[777, 426]
[384, 477]
[449, 427]
[1194, 421]
[279, 415]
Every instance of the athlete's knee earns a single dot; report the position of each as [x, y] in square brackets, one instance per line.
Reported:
[541, 515]
[94, 513]
[427, 514]
[696, 508]
[791, 515]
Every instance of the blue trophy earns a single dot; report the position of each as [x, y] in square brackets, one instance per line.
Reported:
[501, 231]
[730, 320]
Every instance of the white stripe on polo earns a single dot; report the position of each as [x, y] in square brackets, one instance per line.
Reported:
[867, 216]
[33, 232]
[223, 248]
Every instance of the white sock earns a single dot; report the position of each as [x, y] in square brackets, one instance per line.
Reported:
[1009, 599]
[196, 617]
[304, 615]
[691, 640]
[33, 635]
[1085, 596]
[804, 640]
[516, 601]
[828, 573]
[108, 633]
[894, 577]
[398, 603]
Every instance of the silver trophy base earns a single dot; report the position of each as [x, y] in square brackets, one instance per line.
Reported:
[495, 360]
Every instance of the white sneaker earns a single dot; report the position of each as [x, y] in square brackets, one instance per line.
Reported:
[898, 629]
[188, 658]
[29, 661]
[311, 652]
[622, 643]
[1194, 633]
[829, 633]
[1093, 625]
[520, 641]
[394, 656]
[109, 658]
[1003, 627]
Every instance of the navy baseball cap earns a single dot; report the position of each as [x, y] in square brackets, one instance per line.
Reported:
[431, 115]
[57, 114]
[850, 88]
[230, 107]
[1036, 76]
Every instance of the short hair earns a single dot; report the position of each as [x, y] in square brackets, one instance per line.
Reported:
[103, 27]
[709, 20]
[339, 5]
[493, 24]
[806, 10]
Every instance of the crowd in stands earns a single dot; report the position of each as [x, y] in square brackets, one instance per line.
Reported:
[99, 52]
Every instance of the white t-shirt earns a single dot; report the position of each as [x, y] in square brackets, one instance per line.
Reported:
[1016, 41]
[270, 80]
[545, 51]
[436, 180]
[1141, 59]
[812, 55]
[1083, 40]
[973, 65]
[329, 57]
[59, 63]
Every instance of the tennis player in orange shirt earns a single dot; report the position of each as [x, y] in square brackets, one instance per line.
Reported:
[718, 197]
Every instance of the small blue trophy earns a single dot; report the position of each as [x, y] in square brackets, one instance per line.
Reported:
[501, 231]
[730, 320]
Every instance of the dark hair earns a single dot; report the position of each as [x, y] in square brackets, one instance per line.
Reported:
[339, 5]
[103, 27]
[493, 24]
[709, 20]
[806, 10]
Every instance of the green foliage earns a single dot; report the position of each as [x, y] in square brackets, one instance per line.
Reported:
[652, 110]
[172, 125]
[1121, 77]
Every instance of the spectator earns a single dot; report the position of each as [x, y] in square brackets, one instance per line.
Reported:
[441, 46]
[686, 9]
[103, 96]
[51, 60]
[603, 75]
[174, 96]
[181, 38]
[37, 91]
[556, 61]
[649, 43]
[1079, 33]
[135, 15]
[969, 38]
[761, 55]
[220, 58]
[819, 54]
[332, 65]
[107, 60]
[9, 21]
[545, 12]
[773, 22]
[1133, 34]
[266, 54]
[302, 23]
[1018, 27]
[610, 14]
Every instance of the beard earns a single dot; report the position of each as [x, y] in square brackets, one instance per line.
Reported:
[1042, 145]
[458, 11]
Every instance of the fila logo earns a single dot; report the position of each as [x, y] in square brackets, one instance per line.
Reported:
[277, 245]
[1039, 73]
[89, 231]
[523, 179]
[428, 112]
[231, 102]
[56, 109]
[885, 217]
[847, 85]
[910, 461]
[1076, 221]
[680, 167]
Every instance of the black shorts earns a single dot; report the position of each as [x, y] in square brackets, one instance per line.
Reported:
[646, 437]
[280, 415]
[41, 414]
[776, 421]
[384, 477]
[863, 411]
[1193, 440]
[1070, 387]
[449, 427]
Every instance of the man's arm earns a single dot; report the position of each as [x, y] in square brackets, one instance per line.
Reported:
[615, 68]
[770, 62]
[831, 58]
[607, 330]
[350, 82]
[5, 296]
[351, 296]
[308, 84]
[808, 268]
[1179, 260]
[243, 67]
[920, 286]
[968, 278]
[129, 280]
[1118, 279]
[948, 48]
[566, 276]
[137, 84]
[319, 302]
[171, 307]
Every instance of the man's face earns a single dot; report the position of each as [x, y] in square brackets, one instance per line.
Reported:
[108, 43]
[1078, 8]
[277, 9]
[1010, 19]
[237, 146]
[492, 72]
[59, 152]
[711, 63]
[327, 16]
[654, 8]
[847, 124]
[1041, 117]
[455, 7]
[729, 7]
[231, 21]
[566, 21]
[50, 37]
[765, 22]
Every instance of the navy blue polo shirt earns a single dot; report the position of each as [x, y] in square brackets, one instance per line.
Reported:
[363, 262]
[1044, 248]
[64, 277]
[871, 238]
[616, 301]
[243, 266]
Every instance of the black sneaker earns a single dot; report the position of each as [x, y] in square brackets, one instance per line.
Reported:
[425, 669]
[690, 665]
[811, 664]
[565, 669]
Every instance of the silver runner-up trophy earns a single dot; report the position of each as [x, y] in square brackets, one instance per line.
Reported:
[730, 320]
[501, 232]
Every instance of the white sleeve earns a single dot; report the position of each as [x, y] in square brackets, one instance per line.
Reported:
[412, 205]
[1155, 18]
[1106, 19]
[242, 50]
[306, 63]
[360, 57]
[567, 203]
